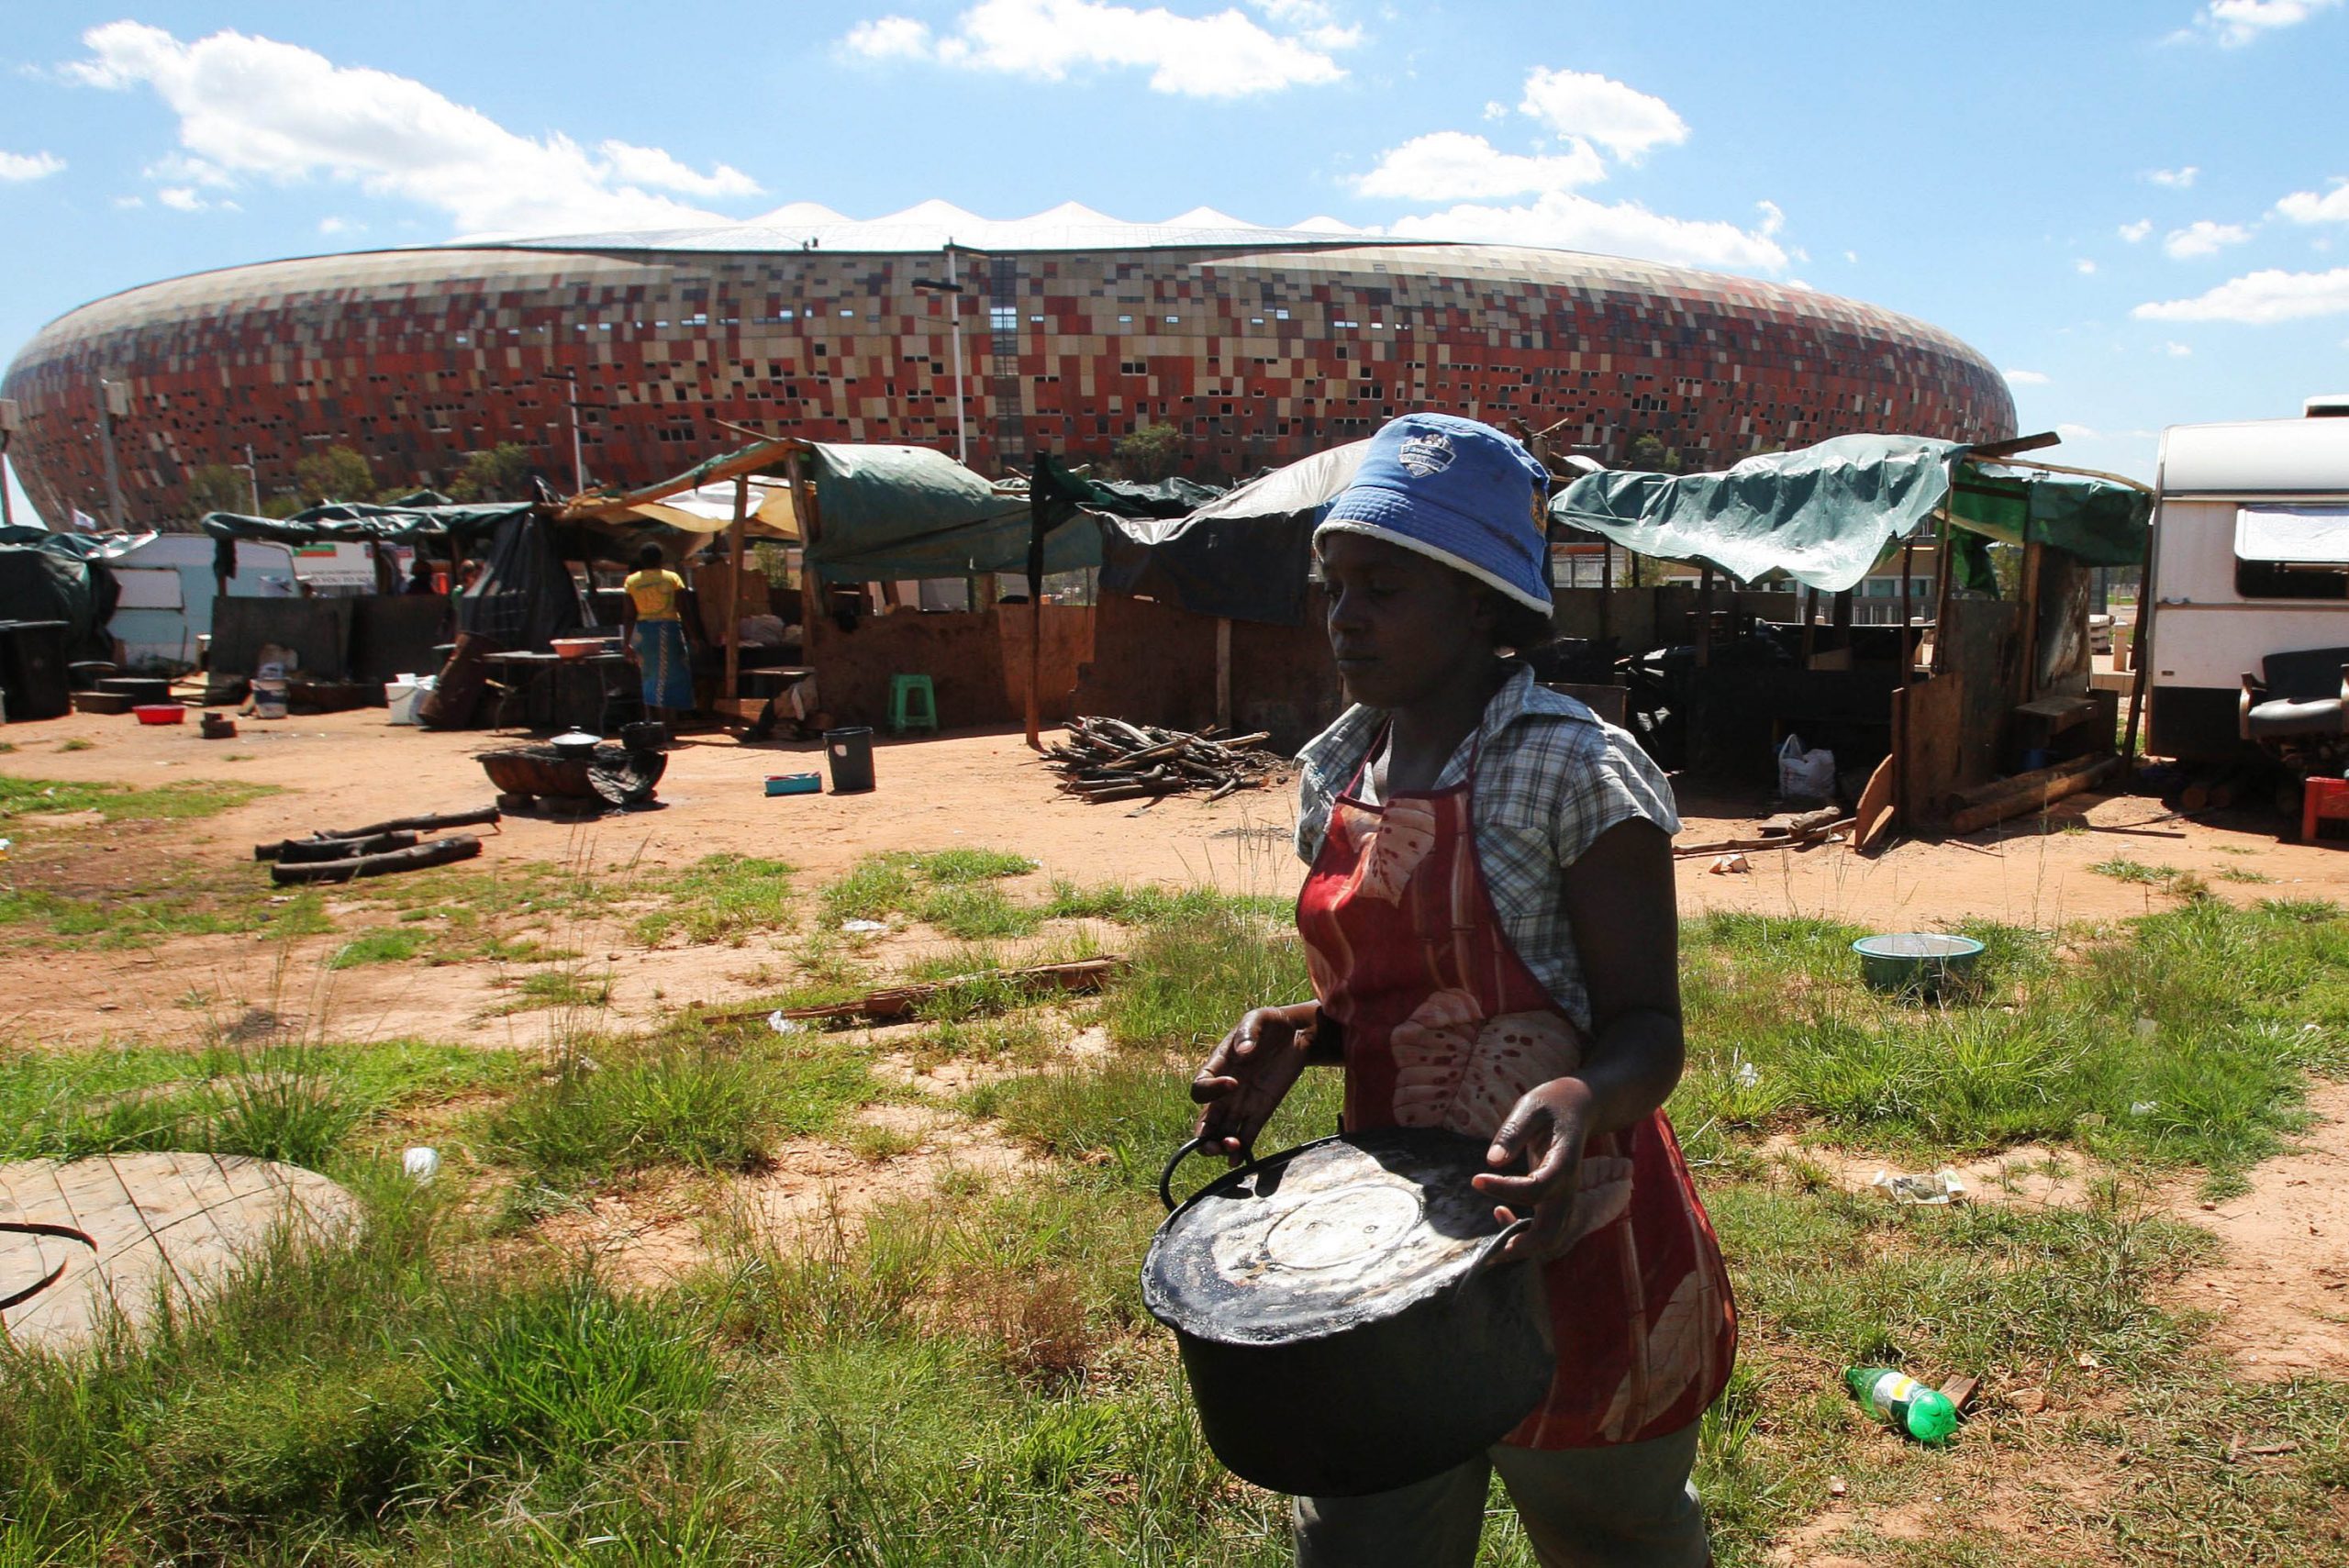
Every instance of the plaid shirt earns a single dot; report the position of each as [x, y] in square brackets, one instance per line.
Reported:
[1551, 777]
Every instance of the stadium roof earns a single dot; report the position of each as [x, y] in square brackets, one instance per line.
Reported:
[933, 224]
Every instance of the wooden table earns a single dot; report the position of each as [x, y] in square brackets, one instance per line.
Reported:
[616, 696]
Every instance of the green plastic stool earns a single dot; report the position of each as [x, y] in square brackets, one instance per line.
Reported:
[903, 714]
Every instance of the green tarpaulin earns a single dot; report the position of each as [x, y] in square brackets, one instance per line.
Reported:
[888, 513]
[1826, 515]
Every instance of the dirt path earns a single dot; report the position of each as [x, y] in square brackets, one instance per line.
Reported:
[981, 789]
[2282, 1293]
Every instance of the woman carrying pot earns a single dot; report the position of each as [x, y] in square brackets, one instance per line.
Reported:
[1490, 928]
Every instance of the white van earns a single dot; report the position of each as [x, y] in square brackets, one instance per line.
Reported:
[2251, 561]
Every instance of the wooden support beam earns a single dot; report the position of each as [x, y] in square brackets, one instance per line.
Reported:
[734, 589]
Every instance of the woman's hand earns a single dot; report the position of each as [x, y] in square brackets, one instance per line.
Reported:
[1246, 1077]
[1548, 1125]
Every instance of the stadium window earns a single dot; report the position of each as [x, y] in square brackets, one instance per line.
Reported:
[1125, 320]
[1004, 317]
[1280, 316]
[851, 314]
[1173, 320]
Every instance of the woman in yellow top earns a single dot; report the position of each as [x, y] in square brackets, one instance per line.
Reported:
[660, 634]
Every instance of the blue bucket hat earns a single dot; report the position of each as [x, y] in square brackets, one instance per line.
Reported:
[1456, 490]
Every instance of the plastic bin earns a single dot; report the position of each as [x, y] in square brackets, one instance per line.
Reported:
[795, 784]
[33, 674]
[850, 754]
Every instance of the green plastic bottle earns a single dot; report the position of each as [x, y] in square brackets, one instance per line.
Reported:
[1892, 1397]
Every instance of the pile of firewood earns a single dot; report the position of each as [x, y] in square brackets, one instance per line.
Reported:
[380, 849]
[1107, 759]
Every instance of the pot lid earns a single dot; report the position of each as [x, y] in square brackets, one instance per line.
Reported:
[577, 737]
[1322, 1238]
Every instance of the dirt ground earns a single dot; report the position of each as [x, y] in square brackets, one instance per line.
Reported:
[981, 789]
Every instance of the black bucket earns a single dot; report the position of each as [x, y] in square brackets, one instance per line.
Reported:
[849, 752]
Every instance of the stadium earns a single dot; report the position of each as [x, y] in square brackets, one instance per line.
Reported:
[1256, 345]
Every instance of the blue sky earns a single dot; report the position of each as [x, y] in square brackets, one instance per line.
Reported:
[2141, 211]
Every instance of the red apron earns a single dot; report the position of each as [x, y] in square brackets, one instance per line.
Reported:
[1445, 1027]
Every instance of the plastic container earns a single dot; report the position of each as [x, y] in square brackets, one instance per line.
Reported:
[1918, 962]
[160, 712]
[402, 695]
[850, 753]
[269, 697]
[797, 783]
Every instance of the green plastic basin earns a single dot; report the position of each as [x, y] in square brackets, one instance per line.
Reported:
[1918, 962]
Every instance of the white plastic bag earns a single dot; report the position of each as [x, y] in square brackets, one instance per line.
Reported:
[1805, 772]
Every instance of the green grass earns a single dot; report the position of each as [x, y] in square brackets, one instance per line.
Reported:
[710, 1101]
[300, 1103]
[569, 988]
[182, 907]
[950, 889]
[2245, 1004]
[179, 801]
[719, 898]
[967, 1377]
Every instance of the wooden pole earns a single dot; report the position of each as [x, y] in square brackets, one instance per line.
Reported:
[1943, 560]
[2031, 550]
[1908, 617]
[1605, 588]
[734, 596]
[1705, 618]
[1224, 673]
[1810, 624]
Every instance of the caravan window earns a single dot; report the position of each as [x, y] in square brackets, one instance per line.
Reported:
[2292, 552]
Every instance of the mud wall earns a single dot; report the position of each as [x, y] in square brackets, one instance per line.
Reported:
[977, 661]
[1155, 664]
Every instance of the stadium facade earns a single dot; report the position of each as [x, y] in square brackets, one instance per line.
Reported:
[1257, 345]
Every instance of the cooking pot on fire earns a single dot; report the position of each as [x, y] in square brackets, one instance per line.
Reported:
[1343, 1315]
[576, 745]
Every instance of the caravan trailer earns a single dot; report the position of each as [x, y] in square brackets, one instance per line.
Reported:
[2251, 565]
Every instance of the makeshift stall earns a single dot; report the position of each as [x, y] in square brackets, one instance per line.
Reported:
[2007, 689]
[1211, 618]
[862, 515]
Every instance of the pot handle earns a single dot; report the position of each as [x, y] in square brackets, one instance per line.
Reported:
[1166, 1177]
[1486, 1257]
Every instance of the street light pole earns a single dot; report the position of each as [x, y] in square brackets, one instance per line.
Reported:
[252, 477]
[962, 407]
[578, 457]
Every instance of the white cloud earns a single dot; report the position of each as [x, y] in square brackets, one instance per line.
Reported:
[1852, 257]
[1496, 110]
[1225, 55]
[1564, 220]
[2307, 207]
[181, 198]
[2176, 179]
[2085, 267]
[889, 38]
[1591, 107]
[2026, 378]
[341, 226]
[251, 107]
[2202, 237]
[17, 167]
[2176, 350]
[128, 202]
[2075, 433]
[632, 165]
[2259, 299]
[1451, 165]
[2234, 23]
[2134, 233]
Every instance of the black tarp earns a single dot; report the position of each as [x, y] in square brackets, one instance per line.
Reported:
[1246, 555]
[47, 576]
[525, 595]
[1058, 496]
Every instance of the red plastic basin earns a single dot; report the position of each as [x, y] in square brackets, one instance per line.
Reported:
[160, 712]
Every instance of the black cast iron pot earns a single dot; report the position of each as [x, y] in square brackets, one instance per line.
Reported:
[1344, 1318]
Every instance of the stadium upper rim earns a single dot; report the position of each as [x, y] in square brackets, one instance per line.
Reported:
[934, 225]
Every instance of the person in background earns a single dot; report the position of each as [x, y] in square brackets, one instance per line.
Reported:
[658, 635]
[420, 576]
[1491, 933]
